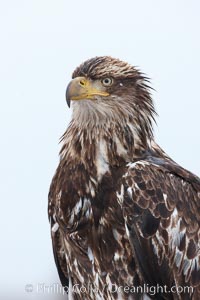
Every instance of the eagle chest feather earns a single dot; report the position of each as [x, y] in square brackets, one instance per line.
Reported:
[93, 228]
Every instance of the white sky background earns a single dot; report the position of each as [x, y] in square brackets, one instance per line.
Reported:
[41, 42]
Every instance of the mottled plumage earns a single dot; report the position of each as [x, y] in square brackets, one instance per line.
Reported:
[122, 213]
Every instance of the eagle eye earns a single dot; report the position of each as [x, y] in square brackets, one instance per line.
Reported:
[107, 81]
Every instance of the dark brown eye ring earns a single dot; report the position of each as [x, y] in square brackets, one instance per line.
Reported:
[107, 81]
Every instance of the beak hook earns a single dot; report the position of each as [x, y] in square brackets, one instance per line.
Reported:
[68, 102]
[67, 98]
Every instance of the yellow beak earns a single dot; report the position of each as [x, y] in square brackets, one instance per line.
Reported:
[83, 88]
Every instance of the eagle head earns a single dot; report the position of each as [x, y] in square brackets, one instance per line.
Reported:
[107, 90]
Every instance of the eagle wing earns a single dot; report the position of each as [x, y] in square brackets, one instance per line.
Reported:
[161, 207]
[56, 236]
[59, 255]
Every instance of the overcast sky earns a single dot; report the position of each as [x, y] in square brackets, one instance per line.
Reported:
[41, 42]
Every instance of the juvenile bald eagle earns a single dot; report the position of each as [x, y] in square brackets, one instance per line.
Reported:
[125, 218]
